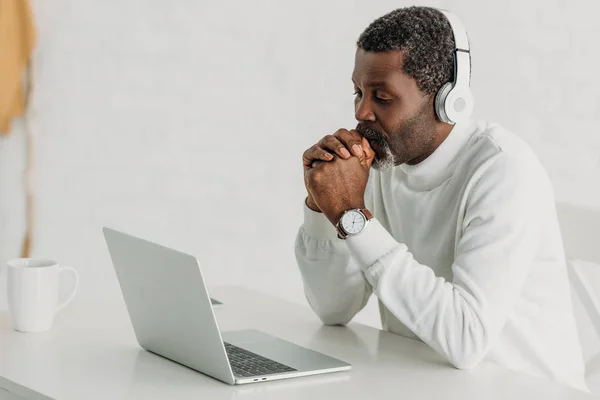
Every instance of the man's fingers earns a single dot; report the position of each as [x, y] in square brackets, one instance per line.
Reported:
[333, 144]
[344, 143]
[352, 140]
[315, 153]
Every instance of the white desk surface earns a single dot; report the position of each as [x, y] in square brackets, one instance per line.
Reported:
[91, 353]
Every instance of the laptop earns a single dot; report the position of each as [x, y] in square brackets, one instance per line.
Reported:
[172, 316]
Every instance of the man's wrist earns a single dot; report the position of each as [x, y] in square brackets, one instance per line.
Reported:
[317, 226]
[311, 204]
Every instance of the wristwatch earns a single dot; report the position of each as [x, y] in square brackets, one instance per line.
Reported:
[353, 222]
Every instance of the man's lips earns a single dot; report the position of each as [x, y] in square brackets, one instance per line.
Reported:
[376, 147]
[374, 137]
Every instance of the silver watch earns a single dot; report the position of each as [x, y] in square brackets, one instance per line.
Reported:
[353, 222]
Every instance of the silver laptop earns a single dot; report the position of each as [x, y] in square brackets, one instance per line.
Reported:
[172, 316]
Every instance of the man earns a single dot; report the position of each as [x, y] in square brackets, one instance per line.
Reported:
[452, 227]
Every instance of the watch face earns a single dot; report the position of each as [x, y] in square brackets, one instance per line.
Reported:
[353, 222]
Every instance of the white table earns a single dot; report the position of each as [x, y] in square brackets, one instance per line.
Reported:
[91, 353]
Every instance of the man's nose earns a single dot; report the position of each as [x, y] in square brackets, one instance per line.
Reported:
[363, 111]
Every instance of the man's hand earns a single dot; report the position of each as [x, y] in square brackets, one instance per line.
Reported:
[337, 186]
[344, 143]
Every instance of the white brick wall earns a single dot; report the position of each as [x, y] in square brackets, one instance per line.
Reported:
[185, 121]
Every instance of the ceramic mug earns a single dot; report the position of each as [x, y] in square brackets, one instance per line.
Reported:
[33, 292]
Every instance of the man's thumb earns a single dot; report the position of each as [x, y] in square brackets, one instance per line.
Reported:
[369, 154]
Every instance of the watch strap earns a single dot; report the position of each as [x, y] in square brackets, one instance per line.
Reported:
[367, 213]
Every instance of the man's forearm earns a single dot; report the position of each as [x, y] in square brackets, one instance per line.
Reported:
[333, 283]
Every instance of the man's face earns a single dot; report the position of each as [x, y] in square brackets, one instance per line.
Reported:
[394, 115]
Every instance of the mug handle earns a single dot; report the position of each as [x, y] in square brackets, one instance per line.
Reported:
[75, 286]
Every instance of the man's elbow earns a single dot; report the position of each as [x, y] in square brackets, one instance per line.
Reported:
[328, 316]
[466, 362]
[468, 358]
[334, 319]
[470, 348]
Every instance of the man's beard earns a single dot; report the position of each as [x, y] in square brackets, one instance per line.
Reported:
[415, 137]
[384, 158]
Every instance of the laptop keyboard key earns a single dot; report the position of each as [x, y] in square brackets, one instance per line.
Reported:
[245, 363]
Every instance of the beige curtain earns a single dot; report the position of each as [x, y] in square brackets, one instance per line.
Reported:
[17, 40]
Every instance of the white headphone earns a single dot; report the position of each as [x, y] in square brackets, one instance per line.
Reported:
[454, 101]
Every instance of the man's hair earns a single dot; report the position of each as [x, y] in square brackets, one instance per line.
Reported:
[425, 38]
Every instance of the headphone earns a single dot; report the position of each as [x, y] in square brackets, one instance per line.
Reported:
[454, 101]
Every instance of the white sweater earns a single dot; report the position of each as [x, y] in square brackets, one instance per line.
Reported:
[464, 253]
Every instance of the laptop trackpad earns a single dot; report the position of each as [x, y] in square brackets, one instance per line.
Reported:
[281, 350]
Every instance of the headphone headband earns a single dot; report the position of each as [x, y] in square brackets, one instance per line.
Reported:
[454, 100]
[461, 42]
[462, 51]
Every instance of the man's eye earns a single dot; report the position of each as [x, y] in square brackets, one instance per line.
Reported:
[357, 93]
[380, 100]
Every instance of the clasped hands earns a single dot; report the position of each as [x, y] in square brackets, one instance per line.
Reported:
[336, 171]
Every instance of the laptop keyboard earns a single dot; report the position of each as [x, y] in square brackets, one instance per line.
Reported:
[246, 363]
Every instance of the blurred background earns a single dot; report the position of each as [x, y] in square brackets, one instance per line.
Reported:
[184, 122]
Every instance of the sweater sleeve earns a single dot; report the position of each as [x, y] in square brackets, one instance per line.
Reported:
[460, 319]
[334, 284]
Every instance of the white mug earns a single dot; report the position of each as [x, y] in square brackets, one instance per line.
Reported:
[33, 288]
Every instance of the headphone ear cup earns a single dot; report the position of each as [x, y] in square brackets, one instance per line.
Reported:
[440, 103]
[458, 104]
